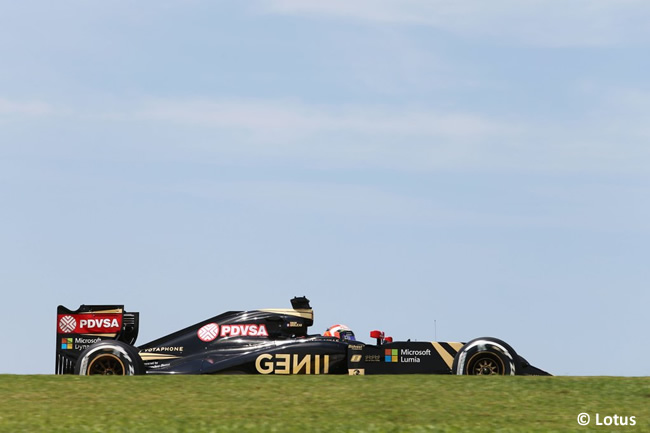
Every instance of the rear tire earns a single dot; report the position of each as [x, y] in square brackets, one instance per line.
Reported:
[486, 356]
[110, 357]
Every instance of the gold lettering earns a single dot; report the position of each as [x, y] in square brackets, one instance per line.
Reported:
[282, 365]
[267, 368]
[305, 362]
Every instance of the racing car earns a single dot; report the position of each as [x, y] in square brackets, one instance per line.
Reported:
[100, 339]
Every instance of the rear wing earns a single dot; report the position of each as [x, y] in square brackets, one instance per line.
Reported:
[89, 324]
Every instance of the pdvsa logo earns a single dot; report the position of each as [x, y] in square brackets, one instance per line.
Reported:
[211, 331]
[208, 332]
[90, 323]
[98, 323]
[243, 331]
[67, 324]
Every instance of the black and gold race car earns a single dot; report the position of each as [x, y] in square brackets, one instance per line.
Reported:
[100, 339]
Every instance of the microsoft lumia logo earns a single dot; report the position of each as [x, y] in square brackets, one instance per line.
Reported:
[391, 355]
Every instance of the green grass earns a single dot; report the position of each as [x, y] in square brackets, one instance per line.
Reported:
[318, 403]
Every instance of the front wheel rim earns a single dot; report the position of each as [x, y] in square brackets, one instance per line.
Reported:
[486, 367]
[485, 364]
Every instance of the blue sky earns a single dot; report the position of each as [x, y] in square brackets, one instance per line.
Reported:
[481, 165]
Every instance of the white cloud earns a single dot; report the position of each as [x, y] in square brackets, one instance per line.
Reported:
[292, 119]
[611, 138]
[320, 198]
[539, 22]
[342, 136]
[578, 202]
[410, 138]
[24, 108]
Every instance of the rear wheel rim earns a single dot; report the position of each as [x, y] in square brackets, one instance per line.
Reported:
[106, 365]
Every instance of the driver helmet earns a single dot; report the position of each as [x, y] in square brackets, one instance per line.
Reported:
[341, 332]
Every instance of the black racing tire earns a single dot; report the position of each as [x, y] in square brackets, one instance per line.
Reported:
[109, 357]
[486, 356]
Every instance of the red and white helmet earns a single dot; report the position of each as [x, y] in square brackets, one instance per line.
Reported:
[342, 332]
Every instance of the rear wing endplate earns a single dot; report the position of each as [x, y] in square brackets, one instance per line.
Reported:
[89, 324]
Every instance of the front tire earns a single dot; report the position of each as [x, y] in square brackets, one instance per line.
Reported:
[486, 356]
[109, 358]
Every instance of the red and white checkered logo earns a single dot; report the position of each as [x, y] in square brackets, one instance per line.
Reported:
[67, 324]
[208, 332]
